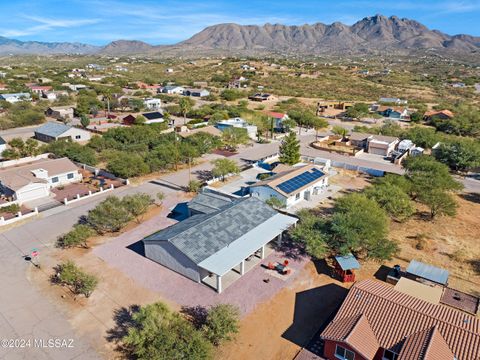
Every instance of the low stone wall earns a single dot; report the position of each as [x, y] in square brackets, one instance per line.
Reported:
[18, 217]
[90, 194]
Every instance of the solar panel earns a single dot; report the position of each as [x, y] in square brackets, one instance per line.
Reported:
[299, 181]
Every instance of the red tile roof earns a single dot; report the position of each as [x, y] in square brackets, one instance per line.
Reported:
[276, 115]
[447, 113]
[394, 317]
[425, 345]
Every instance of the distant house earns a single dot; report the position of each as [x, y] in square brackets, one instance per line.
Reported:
[60, 112]
[278, 119]
[153, 117]
[381, 145]
[196, 92]
[396, 101]
[129, 119]
[440, 114]
[13, 98]
[214, 242]
[152, 103]
[39, 89]
[238, 123]
[374, 144]
[459, 85]
[261, 97]
[52, 131]
[34, 180]
[77, 87]
[49, 95]
[291, 186]
[377, 321]
[392, 112]
[237, 83]
[173, 89]
[3, 87]
[169, 70]
[211, 130]
[95, 77]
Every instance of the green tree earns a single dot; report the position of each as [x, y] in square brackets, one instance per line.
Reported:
[194, 186]
[358, 111]
[422, 136]
[439, 203]
[393, 199]
[232, 94]
[84, 120]
[340, 131]
[360, 225]
[77, 280]
[159, 198]
[137, 204]
[186, 104]
[232, 137]
[139, 120]
[126, 165]
[109, 216]
[302, 117]
[460, 155]
[290, 149]
[158, 333]
[224, 167]
[275, 202]
[222, 323]
[78, 236]
[311, 233]
[319, 124]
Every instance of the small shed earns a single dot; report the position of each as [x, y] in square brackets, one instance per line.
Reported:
[419, 271]
[345, 266]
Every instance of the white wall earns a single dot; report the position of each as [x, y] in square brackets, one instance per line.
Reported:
[74, 132]
[63, 179]
[264, 193]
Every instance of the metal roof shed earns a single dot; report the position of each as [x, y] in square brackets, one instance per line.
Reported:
[344, 265]
[428, 272]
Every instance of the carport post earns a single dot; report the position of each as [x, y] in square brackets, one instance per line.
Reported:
[242, 267]
[262, 252]
[279, 240]
[219, 284]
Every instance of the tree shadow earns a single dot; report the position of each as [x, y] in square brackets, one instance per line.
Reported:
[472, 197]
[322, 267]
[197, 315]
[203, 175]
[314, 309]
[290, 249]
[123, 318]
[475, 264]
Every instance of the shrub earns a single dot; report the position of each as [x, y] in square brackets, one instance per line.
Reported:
[194, 186]
[78, 236]
[78, 281]
[137, 204]
[11, 209]
[109, 216]
[221, 323]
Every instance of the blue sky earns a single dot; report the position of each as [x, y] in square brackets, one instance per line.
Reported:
[166, 22]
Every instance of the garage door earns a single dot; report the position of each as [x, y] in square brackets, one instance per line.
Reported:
[377, 151]
[32, 192]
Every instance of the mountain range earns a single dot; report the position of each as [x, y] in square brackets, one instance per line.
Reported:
[371, 35]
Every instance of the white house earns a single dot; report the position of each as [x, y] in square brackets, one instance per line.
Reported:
[196, 92]
[292, 185]
[60, 112]
[152, 103]
[13, 98]
[52, 131]
[49, 95]
[34, 180]
[173, 89]
[381, 145]
[76, 87]
[238, 123]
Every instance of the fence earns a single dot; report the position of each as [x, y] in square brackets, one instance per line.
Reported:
[101, 172]
[342, 165]
[78, 197]
[19, 216]
[25, 160]
[14, 202]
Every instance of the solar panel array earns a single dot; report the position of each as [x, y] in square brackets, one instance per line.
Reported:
[299, 181]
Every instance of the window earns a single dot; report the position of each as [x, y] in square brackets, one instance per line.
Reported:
[344, 354]
[297, 196]
[70, 176]
[55, 179]
[78, 137]
[389, 355]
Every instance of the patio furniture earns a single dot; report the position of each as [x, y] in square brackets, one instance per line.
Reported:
[271, 266]
[345, 266]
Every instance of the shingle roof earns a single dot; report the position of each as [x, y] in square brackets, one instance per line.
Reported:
[278, 179]
[53, 129]
[16, 177]
[394, 316]
[209, 202]
[203, 235]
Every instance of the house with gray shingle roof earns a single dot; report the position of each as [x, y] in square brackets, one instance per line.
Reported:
[220, 236]
[52, 131]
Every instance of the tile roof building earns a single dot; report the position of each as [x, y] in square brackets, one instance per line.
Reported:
[377, 322]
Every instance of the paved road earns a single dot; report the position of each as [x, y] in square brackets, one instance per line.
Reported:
[23, 132]
[24, 312]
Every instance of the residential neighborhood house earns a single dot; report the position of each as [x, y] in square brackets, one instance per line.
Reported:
[214, 243]
[238, 123]
[152, 104]
[16, 97]
[378, 322]
[196, 92]
[34, 180]
[52, 131]
[173, 89]
[292, 185]
[60, 112]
